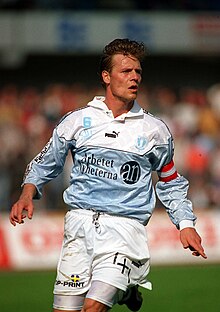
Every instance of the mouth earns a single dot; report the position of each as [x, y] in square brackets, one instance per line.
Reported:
[133, 88]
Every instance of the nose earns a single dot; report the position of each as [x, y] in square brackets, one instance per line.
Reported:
[136, 76]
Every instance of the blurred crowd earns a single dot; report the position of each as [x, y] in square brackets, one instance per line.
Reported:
[111, 4]
[28, 116]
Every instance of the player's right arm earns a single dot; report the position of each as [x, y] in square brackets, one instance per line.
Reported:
[47, 165]
[24, 205]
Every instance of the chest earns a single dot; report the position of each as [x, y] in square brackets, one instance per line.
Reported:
[129, 135]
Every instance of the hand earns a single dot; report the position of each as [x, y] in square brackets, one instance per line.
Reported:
[17, 211]
[24, 204]
[191, 239]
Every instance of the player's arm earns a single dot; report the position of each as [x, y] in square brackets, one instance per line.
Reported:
[47, 165]
[172, 191]
[24, 205]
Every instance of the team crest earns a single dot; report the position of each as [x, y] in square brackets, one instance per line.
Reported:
[141, 142]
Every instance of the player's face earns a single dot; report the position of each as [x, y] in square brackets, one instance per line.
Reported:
[124, 79]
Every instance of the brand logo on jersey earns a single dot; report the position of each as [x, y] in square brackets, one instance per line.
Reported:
[130, 172]
[141, 143]
[112, 135]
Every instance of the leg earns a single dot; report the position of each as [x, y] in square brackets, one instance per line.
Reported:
[100, 297]
[69, 303]
[91, 305]
[55, 310]
[73, 269]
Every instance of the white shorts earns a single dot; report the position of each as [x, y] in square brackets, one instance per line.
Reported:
[100, 247]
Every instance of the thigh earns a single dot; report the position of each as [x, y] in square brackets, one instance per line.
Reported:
[100, 298]
[94, 306]
[57, 310]
[74, 266]
[121, 254]
[68, 303]
[103, 293]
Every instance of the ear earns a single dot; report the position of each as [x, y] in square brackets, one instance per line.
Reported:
[105, 77]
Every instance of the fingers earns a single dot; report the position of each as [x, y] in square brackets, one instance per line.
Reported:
[197, 248]
[14, 218]
[198, 251]
[17, 213]
[30, 214]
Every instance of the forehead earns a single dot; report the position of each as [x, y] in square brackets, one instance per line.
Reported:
[121, 60]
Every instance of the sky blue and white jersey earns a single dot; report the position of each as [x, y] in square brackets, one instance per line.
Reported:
[113, 160]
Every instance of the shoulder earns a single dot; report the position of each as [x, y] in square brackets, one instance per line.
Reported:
[156, 124]
[71, 122]
[73, 114]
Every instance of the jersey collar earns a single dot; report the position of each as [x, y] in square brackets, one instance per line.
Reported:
[98, 102]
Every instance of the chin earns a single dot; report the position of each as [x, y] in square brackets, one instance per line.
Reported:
[133, 97]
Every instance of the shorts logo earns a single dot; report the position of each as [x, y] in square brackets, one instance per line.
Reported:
[75, 278]
[72, 282]
[130, 172]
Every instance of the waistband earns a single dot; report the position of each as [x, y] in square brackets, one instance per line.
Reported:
[93, 212]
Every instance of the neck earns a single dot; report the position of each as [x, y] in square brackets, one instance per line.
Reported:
[118, 107]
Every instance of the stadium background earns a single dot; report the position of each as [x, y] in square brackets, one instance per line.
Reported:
[49, 54]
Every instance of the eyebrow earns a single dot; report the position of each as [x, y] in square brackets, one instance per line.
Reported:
[128, 68]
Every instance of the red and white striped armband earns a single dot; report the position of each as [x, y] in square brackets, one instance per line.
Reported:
[168, 172]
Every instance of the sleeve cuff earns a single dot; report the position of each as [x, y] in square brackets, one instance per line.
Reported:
[186, 223]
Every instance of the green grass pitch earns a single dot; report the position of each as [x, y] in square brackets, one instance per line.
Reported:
[175, 289]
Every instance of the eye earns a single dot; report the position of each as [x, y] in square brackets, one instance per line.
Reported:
[126, 71]
[139, 71]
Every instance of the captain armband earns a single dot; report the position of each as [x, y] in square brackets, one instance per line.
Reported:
[168, 172]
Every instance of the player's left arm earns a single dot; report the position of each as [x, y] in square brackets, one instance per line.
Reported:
[172, 191]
